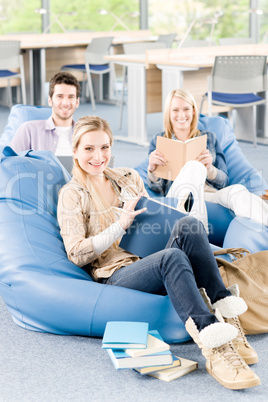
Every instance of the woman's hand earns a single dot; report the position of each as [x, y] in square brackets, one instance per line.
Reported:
[129, 212]
[206, 158]
[156, 158]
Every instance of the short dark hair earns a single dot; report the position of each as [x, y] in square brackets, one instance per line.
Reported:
[64, 78]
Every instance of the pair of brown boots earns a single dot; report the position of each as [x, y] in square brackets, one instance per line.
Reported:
[224, 344]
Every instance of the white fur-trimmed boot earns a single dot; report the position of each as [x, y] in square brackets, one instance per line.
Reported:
[217, 334]
[230, 308]
[223, 363]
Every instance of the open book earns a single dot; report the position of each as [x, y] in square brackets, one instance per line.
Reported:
[177, 153]
[150, 231]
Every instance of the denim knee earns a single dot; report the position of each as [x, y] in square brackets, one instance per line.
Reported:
[174, 258]
[188, 225]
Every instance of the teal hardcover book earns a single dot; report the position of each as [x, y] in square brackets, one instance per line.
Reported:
[151, 230]
[121, 360]
[125, 334]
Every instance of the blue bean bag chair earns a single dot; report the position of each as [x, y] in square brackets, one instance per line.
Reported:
[42, 289]
[20, 114]
[240, 172]
[247, 234]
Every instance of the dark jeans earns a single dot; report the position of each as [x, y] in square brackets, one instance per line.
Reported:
[185, 265]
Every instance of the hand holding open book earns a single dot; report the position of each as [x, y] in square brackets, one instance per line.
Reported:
[177, 153]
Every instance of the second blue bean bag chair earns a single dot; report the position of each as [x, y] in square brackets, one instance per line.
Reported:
[240, 172]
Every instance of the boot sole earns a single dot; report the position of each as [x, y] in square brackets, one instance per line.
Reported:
[251, 360]
[237, 384]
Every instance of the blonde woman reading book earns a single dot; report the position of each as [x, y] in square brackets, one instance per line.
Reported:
[96, 208]
[205, 178]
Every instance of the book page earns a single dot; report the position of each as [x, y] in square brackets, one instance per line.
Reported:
[173, 153]
[194, 147]
[177, 153]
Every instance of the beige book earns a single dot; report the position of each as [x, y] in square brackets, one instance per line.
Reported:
[177, 153]
[171, 374]
[154, 345]
[151, 369]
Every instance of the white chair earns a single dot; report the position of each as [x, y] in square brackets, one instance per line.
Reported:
[95, 64]
[11, 67]
[235, 82]
[236, 41]
[135, 48]
[167, 39]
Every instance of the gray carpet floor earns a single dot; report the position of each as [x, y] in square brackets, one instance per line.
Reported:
[45, 367]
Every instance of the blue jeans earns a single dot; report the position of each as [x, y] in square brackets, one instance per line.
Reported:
[185, 265]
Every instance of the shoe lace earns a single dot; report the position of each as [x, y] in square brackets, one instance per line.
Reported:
[240, 336]
[229, 354]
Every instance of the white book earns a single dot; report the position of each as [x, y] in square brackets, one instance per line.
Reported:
[154, 345]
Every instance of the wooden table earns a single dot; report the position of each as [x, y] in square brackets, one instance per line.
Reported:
[45, 54]
[170, 68]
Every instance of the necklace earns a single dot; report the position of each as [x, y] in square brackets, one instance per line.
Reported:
[117, 192]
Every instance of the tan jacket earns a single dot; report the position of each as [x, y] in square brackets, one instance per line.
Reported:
[79, 224]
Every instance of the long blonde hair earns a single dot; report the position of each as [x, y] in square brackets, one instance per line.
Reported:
[187, 97]
[100, 206]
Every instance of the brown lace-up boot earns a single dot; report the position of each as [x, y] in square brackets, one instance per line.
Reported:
[241, 344]
[223, 363]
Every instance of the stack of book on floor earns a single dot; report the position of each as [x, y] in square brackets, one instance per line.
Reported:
[132, 345]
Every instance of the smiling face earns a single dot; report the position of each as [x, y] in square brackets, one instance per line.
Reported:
[181, 116]
[94, 152]
[64, 101]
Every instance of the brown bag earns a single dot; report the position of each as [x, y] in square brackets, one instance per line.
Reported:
[250, 273]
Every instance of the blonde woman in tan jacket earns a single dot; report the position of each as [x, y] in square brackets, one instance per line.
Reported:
[95, 209]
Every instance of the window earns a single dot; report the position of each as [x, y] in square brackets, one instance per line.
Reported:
[221, 19]
[20, 15]
[263, 21]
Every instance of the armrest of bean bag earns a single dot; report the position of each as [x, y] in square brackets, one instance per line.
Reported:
[18, 115]
[245, 233]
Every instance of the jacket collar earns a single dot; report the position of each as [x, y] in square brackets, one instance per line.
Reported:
[117, 174]
[50, 125]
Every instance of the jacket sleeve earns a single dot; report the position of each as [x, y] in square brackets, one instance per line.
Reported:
[139, 183]
[73, 223]
[222, 178]
[155, 183]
